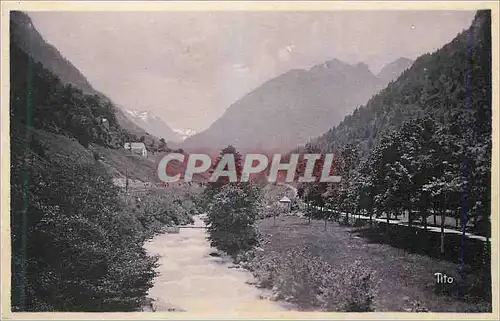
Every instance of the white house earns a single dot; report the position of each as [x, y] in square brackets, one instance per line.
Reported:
[137, 148]
[286, 203]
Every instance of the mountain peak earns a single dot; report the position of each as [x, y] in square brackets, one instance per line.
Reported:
[184, 133]
[393, 70]
[291, 108]
[334, 64]
[153, 124]
[362, 65]
[143, 114]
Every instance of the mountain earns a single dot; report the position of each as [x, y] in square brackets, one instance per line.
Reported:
[153, 125]
[392, 71]
[29, 40]
[290, 109]
[435, 85]
[423, 145]
[184, 133]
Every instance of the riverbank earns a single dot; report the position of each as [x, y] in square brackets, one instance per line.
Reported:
[401, 281]
[195, 278]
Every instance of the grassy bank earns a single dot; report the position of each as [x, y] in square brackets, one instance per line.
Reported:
[337, 270]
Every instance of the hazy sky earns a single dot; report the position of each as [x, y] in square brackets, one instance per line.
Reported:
[188, 67]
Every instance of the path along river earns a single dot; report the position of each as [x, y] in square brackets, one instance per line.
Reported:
[194, 281]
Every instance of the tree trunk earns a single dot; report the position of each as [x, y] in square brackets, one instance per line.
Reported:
[442, 232]
[409, 218]
[126, 180]
[434, 214]
[424, 219]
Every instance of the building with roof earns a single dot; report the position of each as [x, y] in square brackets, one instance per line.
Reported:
[137, 148]
[286, 203]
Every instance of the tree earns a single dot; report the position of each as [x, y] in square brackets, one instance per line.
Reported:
[162, 147]
[349, 159]
[214, 187]
[152, 146]
[231, 216]
[232, 208]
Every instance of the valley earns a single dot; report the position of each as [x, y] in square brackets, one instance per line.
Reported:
[95, 229]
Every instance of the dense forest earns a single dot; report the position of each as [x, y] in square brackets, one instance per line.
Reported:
[76, 238]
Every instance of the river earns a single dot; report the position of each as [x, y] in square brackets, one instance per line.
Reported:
[194, 281]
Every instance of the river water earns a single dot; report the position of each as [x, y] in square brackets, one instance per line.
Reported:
[194, 281]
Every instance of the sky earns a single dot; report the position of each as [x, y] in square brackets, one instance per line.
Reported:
[188, 67]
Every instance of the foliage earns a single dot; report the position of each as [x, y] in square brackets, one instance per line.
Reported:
[231, 216]
[308, 281]
[423, 145]
[39, 99]
[232, 209]
[272, 210]
[76, 241]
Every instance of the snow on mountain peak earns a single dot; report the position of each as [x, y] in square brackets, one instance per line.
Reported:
[152, 124]
[144, 115]
[184, 133]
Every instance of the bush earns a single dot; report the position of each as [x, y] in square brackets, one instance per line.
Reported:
[156, 209]
[309, 282]
[272, 210]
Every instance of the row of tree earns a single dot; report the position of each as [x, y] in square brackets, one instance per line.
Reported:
[420, 170]
[421, 146]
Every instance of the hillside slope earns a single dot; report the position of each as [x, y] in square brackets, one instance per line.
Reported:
[452, 85]
[393, 70]
[29, 40]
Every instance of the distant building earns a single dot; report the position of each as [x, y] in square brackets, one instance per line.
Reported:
[137, 148]
[286, 203]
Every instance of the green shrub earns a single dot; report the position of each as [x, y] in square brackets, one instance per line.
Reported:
[231, 216]
[309, 282]
[272, 210]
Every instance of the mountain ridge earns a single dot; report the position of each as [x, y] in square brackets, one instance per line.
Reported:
[393, 70]
[307, 103]
[27, 37]
[153, 124]
[416, 91]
